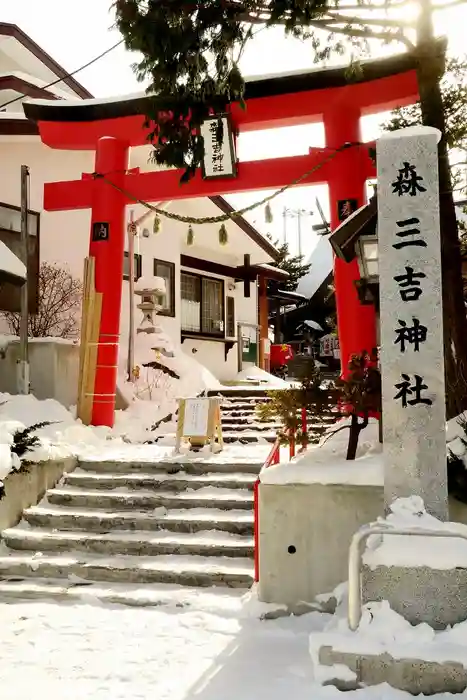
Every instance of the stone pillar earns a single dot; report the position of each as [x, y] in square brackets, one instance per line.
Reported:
[356, 323]
[106, 246]
[412, 354]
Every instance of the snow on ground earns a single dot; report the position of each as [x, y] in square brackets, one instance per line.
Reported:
[267, 380]
[382, 630]
[218, 647]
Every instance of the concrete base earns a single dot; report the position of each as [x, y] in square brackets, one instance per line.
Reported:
[304, 537]
[420, 594]
[414, 676]
[26, 488]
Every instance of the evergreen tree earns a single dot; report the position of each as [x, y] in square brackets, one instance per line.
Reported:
[293, 264]
[191, 50]
[318, 398]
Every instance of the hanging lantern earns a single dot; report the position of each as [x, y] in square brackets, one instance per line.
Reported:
[223, 235]
[268, 217]
[190, 239]
[157, 225]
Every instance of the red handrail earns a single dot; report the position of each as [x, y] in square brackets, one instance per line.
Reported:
[272, 458]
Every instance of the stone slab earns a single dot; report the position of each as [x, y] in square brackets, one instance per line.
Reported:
[26, 488]
[414, 676]
[420, 594]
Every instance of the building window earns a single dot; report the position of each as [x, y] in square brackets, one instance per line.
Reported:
[138, 266]
[202, 305]
[10, 220]
[166, 270]
[231, 317]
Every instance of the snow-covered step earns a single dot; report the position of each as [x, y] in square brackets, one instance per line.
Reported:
[169, 482]
[239, 522]
[145, 500]
[248, 436]
[252, 426]
[185, 570]
[193, 466]
[213, 543]
[246, 420]
[242, 405]
[223, 600]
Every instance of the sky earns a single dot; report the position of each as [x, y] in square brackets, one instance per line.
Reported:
[74, 33]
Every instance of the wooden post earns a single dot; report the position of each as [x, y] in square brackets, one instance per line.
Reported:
[263, 319]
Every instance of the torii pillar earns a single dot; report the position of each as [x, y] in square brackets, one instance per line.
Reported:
[108, 207]
[356, 322]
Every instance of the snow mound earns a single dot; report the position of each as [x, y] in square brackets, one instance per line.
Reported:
[326, 463]
[153, 396]
[64, 437]
[410, 551]
[255, 374]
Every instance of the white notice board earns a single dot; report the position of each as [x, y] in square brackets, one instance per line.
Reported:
[196, 418]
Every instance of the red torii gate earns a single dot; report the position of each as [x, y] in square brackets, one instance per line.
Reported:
[111, 128]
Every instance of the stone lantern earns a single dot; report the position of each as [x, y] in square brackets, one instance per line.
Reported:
[152, 295]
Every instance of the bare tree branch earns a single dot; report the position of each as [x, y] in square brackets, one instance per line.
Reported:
[370, 21]
[59, 305]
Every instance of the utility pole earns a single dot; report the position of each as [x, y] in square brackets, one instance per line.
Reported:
[295, 214]
[23, 360]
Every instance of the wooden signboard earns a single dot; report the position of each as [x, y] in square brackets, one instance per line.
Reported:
[199, 420]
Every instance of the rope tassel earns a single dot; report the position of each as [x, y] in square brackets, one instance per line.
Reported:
[157, 225]
[223, 235]
[190, 239]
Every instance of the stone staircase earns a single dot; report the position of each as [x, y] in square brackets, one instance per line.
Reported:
[239, 419]
[240, 422]
[128, 523]
[115, 526]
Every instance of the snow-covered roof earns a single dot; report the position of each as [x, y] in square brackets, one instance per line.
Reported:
[37, 82]
[321, 261]
[31, 58]
[11, 267]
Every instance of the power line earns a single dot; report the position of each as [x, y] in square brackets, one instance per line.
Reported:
[68, 75]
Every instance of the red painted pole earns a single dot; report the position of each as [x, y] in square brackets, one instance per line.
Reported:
[292, 445]
[356, 322]
[108, 208]
[304, 428]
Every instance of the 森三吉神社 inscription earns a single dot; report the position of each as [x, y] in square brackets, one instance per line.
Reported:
[412, 357]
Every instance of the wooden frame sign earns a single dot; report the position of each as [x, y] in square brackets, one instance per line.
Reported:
[199, 420]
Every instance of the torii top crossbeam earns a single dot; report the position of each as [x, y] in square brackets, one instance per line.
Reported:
[273, 102]
[110, 127]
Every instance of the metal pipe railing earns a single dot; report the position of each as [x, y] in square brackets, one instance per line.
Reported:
[356, 555]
